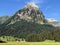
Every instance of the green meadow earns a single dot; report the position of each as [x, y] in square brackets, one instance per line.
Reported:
[47, 42]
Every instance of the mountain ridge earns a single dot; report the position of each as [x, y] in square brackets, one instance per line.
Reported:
[29, 13]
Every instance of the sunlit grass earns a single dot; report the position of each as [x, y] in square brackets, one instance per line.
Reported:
[47, 42]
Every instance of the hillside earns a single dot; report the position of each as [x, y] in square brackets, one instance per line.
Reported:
[3, 19]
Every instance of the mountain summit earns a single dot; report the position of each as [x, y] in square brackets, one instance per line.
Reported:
[32, 5]
[31, 13]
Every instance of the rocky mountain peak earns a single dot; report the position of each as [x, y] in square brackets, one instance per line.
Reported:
[31, 5]
[30, 13]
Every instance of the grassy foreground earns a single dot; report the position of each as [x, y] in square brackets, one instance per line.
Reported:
[32, 43]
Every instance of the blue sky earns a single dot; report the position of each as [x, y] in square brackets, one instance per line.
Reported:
[50, 8]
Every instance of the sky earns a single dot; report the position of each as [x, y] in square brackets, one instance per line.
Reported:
[50, 8]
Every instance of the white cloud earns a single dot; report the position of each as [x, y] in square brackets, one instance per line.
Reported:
[36, 1]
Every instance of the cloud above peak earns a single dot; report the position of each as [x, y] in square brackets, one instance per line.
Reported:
[36, 1]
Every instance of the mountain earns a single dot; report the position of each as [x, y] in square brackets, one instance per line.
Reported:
[3, 19]
[30, 13]
[53, 22]
[28, 20]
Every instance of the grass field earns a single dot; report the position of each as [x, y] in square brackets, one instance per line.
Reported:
[32, 43]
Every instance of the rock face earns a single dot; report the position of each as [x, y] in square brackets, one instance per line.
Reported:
[31, 13]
